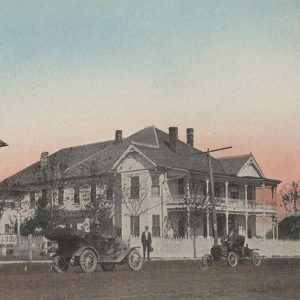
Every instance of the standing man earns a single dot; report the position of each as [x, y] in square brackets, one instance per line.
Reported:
[146, 242]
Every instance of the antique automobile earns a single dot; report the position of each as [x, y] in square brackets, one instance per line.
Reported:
[232, 250]
[76, 247]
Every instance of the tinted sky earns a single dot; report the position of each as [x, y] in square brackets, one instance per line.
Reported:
[71, 72]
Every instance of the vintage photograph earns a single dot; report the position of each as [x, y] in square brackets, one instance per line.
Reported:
[149, 149]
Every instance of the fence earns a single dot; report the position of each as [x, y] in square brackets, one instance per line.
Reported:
[37, 247]
[183, 248]
[8, 239]
[23, 247]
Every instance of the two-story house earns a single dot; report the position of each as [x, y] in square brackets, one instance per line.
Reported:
[147, 175]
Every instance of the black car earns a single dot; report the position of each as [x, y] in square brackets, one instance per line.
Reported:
[76, 247]
[232, 250]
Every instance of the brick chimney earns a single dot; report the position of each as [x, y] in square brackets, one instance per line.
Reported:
[118, 137]
[190, 136]
[173, 137]
[44, 159]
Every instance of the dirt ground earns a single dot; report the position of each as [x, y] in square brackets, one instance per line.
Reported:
[274, 279]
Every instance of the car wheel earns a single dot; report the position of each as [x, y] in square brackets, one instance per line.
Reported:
[206, 262]
[88, 261]
[59, 264]
[255, 259]
[107, 266]
[135, 260]
[232, 259]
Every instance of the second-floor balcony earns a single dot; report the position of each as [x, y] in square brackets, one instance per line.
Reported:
[232, 205]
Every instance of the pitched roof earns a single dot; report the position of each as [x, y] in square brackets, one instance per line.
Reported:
[233, 164]
[101, 157]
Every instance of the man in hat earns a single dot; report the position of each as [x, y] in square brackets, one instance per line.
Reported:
[146, 242]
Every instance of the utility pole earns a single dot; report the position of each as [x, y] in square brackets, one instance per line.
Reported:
[212, 192]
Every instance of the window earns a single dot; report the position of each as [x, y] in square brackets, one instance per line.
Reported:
[234, 191]
[135, 226]
[7, 229]
[44, 200]
[60, 195]
[32, 199]
[155, 189]
[250, 193]
[93, 193]
[180, 186]
[109, 193]
[76, 195]
[135, 187]
[217, 190]
[193, 186]
[155, 225]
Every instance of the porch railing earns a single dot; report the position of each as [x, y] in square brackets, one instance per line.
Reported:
[8, 239]
[232, 203]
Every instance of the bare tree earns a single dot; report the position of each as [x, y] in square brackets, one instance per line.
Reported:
[135, 200]
[290, 194]
[196, 206]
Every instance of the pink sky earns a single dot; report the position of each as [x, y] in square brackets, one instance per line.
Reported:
[73, 75]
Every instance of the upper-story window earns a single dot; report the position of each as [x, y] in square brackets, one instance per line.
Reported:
[134, 187]
[250, 192]
[234, 191]
[32, 199]
[93, 193]
[109, 193]
[155, 189]
[76, 195]
[60, 195]
[217, 190]
[180, 183]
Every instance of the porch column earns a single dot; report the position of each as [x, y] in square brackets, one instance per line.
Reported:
[226, 194]
[207, 225]
[227, 215]
[246, 224]
[264, 231]
[207, 187]
[246, 196]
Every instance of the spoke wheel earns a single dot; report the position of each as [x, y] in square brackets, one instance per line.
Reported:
[107, 266]
[59, 264]
[255, 259]
[232, 259]
[88, 261]
[206, 262]
[135, 260]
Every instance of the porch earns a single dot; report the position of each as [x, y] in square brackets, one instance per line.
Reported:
[248, 225]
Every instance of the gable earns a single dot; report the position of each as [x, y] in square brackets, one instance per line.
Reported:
[249, 170]
[133, 161]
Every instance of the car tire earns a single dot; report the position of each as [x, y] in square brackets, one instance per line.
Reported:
[232, 259]
[60, 264]
[88, 261]
[206, 261]
[255, 259]
[134, 260]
